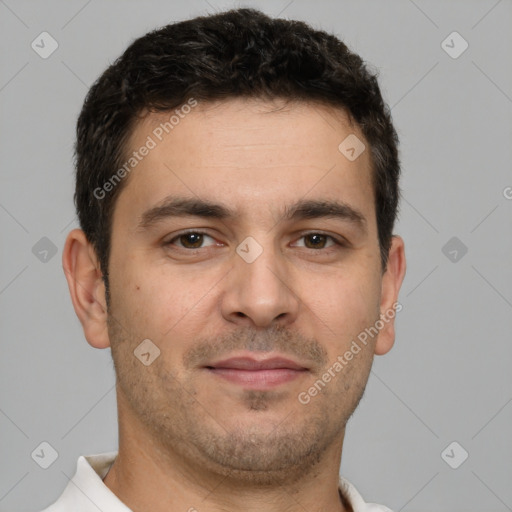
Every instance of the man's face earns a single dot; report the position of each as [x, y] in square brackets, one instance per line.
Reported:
[301, 287]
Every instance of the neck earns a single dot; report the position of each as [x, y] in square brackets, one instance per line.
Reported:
[147, 476]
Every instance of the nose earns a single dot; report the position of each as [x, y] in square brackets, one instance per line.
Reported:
[260, 293]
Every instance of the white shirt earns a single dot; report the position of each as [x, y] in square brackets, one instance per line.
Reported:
[86, 491]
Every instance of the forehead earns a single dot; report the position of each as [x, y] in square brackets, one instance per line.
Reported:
[247, 153]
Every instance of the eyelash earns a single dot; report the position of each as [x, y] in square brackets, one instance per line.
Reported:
[337, 242]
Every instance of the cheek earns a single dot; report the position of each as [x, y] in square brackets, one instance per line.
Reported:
[344, 302]
[161, 304]
[137, 300]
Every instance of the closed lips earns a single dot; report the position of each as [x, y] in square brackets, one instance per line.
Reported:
[245, 363]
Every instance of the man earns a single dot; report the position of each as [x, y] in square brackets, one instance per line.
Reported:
[237, 187]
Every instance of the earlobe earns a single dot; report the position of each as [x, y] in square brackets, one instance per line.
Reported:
[86, 287]
[389, 306]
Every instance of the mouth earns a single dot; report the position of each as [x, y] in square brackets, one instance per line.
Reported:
[257, 374]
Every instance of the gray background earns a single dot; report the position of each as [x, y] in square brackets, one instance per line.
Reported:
[447, 378]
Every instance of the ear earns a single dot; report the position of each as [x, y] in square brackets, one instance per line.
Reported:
[391, 283]
[86, 287]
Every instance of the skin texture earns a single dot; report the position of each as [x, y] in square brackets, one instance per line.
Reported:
[188, 438]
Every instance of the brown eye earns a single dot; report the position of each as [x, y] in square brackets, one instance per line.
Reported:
[194, 239]
[189, 240]
[317, 241]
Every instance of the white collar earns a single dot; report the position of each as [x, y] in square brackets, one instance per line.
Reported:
[86, 491]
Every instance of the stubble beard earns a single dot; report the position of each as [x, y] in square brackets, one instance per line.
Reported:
[266, 454]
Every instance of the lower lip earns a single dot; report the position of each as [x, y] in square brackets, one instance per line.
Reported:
[257, 379]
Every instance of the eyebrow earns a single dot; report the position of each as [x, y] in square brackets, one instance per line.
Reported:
[176, 206]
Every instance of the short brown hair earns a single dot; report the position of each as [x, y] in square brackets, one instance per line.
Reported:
[237, 53]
